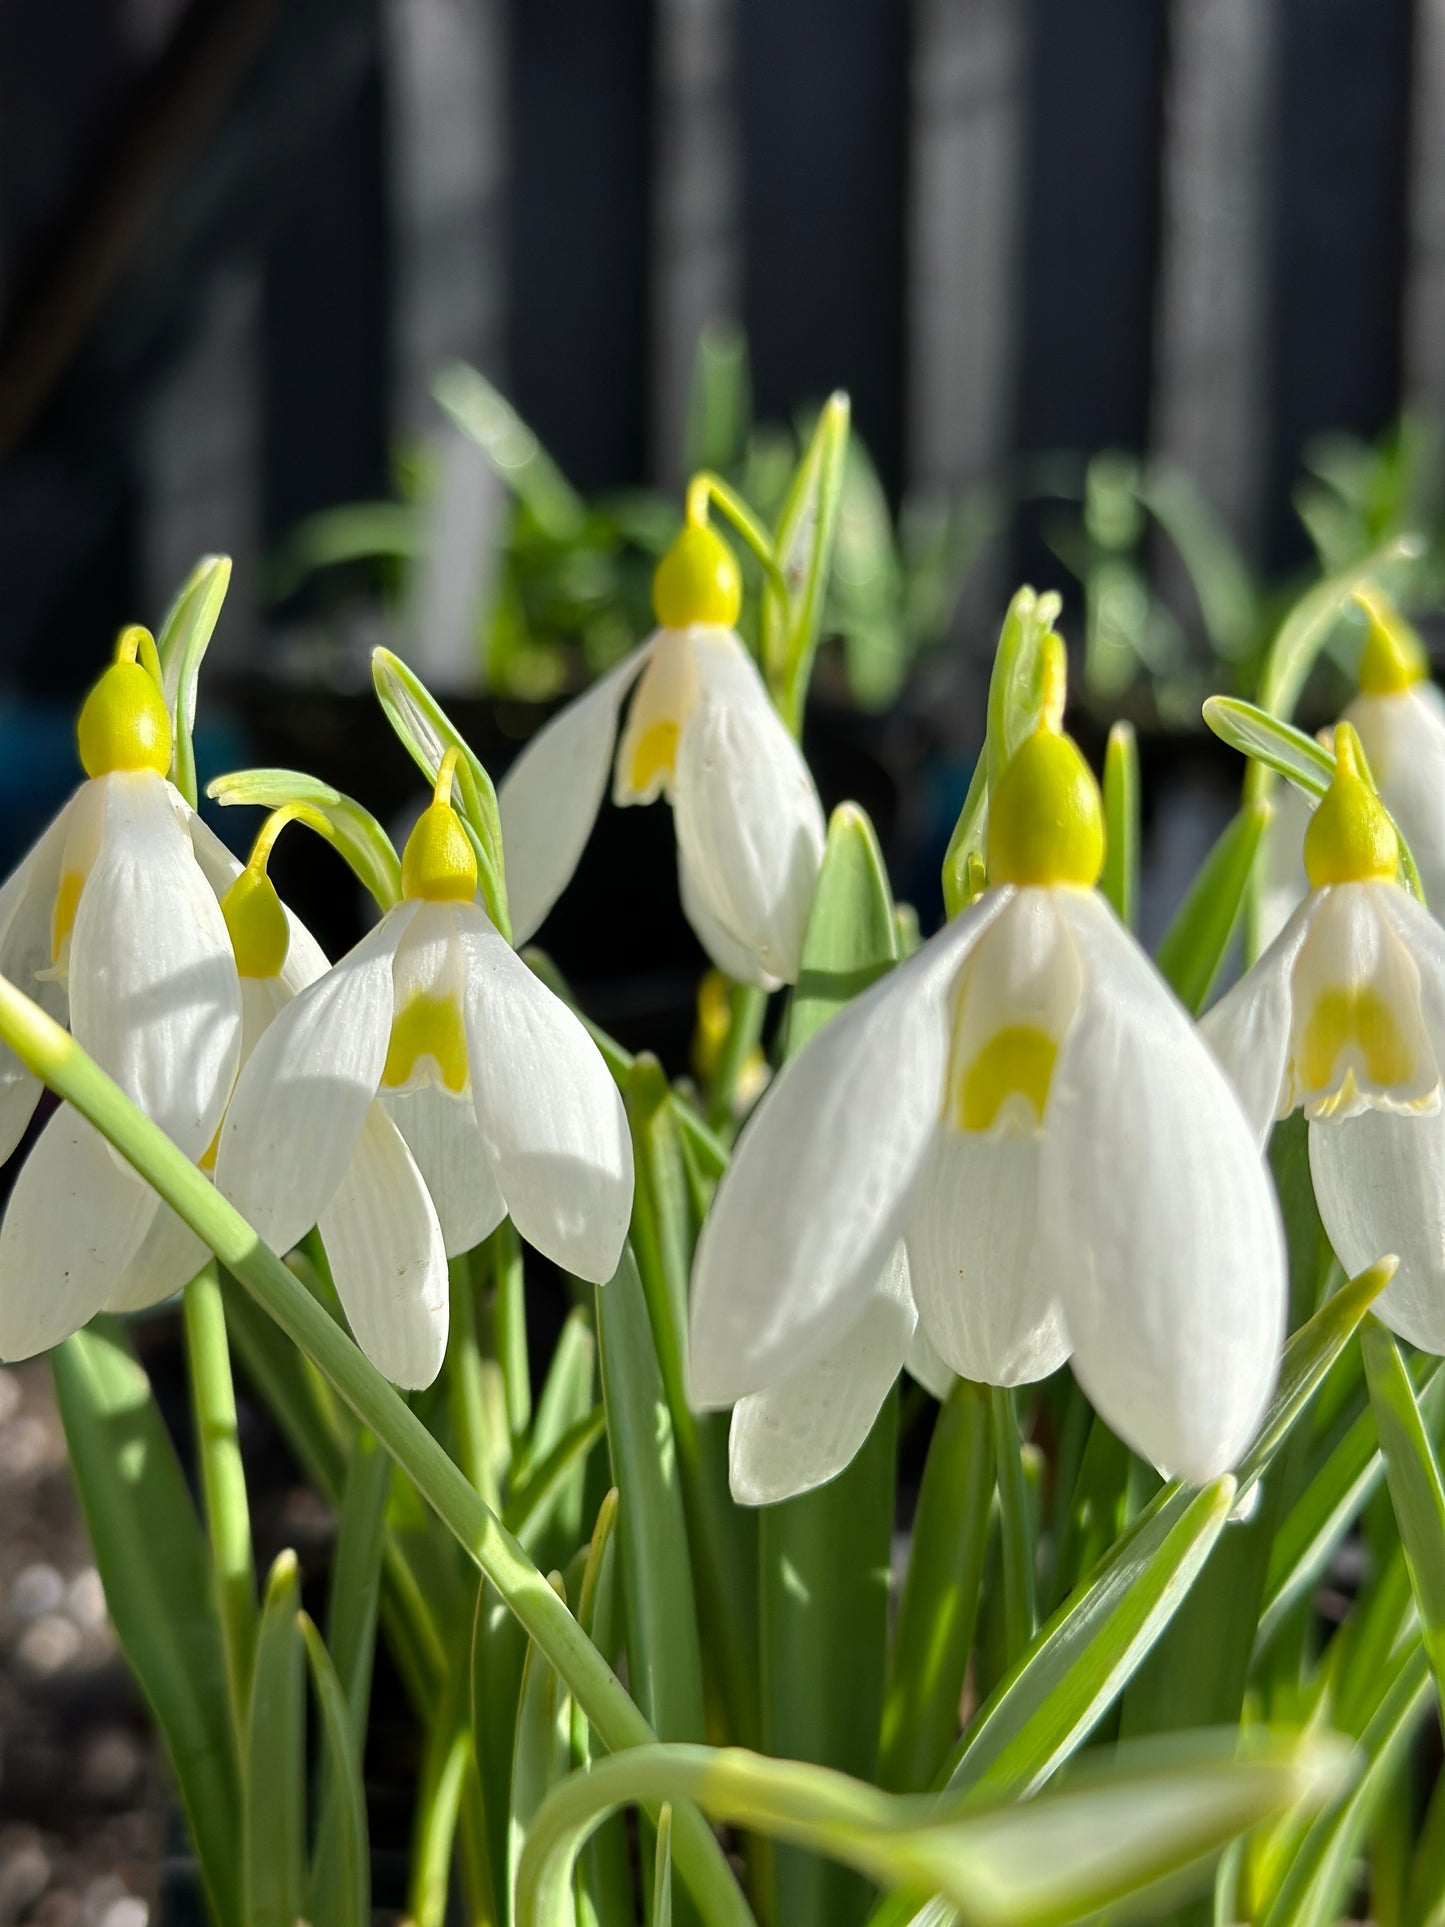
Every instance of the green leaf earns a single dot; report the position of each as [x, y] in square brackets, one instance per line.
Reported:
[939, 1605]
[851, 938]
[543, 1756]
[803, 545]
[341, 1892]
[1120, 880]
[559, 1476]
[604, 1870]
[439, 1805]
[155, 1568]
[662, 1871]
[1264, 738]
[499, 1651]
[427, 733]
[185, 634]
[275, 1808]
[664, 1662]
[486, 417]
[1416, 1489]
[1308, 626]
[1198, 937]
[352, 830]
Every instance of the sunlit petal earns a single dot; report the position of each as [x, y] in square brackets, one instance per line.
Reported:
[1380, 1185]
[27, 916]
[442, 1134]
[1249, 1028]
[1403, 733]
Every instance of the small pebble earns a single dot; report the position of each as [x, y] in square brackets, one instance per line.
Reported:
[128, 1912]
[100, 1896]
[110, 1766]
[85, 1599]
[24, 1448]
[37, 1589]
[24, 1875]
[48, 1645]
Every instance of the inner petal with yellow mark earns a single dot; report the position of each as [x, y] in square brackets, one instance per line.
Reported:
[1013, 1004]
[664, 699]
[428, 1040]
[82, 846]
[1359, 1040]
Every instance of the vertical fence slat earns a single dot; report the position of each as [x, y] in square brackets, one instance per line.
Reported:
[577, 349]
[823, 106]
[1424, 374]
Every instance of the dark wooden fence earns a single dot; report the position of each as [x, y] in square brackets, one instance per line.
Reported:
[236, 235]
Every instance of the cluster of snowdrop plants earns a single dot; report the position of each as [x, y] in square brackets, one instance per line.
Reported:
[988, 1469]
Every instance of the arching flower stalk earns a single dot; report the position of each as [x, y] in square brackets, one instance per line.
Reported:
[112, 923]
[1343, 1017]
[430, 1046]
[702, 732]
[1026, 1105]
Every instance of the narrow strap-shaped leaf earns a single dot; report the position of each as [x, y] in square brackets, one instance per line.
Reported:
[346, 824]
[499, 1651]
[184, 637]
[1197, 939]
[439, 1806]
[486, 417]
[153, 1564]
[604, 1869]
[939, 1605]
[803, 545]
[341, 1891]
[274, 1826]
[1416, 1489]
[662, 1871]
[1020, 1577]
[542, 1758]
[559, 1474]
[1120, 880]
[509, 1316]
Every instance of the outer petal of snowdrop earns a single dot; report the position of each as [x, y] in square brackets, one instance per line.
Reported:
[1249, 1028]
[1164, 1226]
[803, 1431]
[443, 1136]
[550, 797]
[27, 919]
[1380, 1185]
[1404, 738]
[819, 1186]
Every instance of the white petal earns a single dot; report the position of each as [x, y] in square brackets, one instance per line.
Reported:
[817, 1192]
[154, 995]
[1404, 739]
[665, 698]
[551, 1117]
[749, 824]
[168, 1257]
[1424, 938]
[301, 1101]
[1249, 1028]
[732, 958]
[1283, 884]
[27, 917]
[550, 797]
[1380, 1185]
[384, 1246]
[1166, 1237]
[74, 1218]
[442, 1134]
[923, 1365]
[806, 1430]
[984, 1294]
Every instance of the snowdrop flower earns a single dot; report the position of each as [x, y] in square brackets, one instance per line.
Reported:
[1027, 1106]
[1343, 1017]
[1399, 715]
[701, 732]
[111, 923]
[429, 1047]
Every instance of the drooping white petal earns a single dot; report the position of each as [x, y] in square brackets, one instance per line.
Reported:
[802, 1432]
[1404, 739]
[1249, 1028]
[923, 1364]
[1424, 938]
[1165, 1234]
[303, 1096]
[818, 1189]
[981, 1281]
[749, 824]
[154, 995]
[724, 950]
[167, 1258]
[647, 750]
[1283, 884]
[442, 1134]
[27, 917]
[550, 1116]
[1380, 1185]
[550, 797]
[385, 1249]
[74, 1218]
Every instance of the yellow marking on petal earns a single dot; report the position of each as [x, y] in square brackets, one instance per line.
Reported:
[207, 1159]
[427, 1027]
[1016, 1062]
[67, 902]
[1356, 1021]
[654, 756]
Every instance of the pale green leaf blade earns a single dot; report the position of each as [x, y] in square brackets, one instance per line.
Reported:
[1416, 1489]
[1119, 882]
[341, 1897]
[274, 1825]
[184, 637]
[1196, 942]
[345, 823]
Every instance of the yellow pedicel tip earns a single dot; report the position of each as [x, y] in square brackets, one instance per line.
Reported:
[1350, 838]
[697, 581]
[260, 934]
[1046, 816]
[1393, 658]
[439, 864]
[124, 723]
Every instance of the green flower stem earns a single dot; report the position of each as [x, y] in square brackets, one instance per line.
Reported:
[509, 1318]
[747, 1007]
[1020, 1607]
[706, 487]
[54, 1056]
[223, 1481]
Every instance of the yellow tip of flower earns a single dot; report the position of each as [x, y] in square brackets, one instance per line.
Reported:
[439, 864]
[1045, 815]
[260, 934]
[1393, 658]
[697, 581]
[1350, 838]
[124, 723]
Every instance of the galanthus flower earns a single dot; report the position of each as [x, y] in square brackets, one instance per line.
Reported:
[1343, 1017]
[1399, 716]
[111, 924]
[702, 732]
[1026, 1105]
[430, 1045]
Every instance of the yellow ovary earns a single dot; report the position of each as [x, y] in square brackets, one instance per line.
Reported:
[1017, 1062]
[427, 1027]
[653, 755]
[1357, 1024]
[67, 902]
